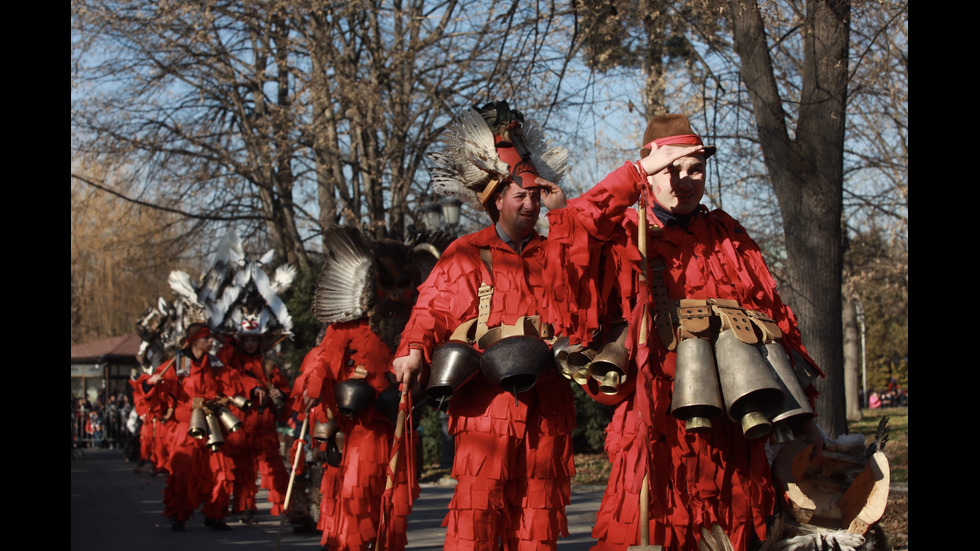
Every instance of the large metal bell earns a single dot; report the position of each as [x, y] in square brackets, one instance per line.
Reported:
[353, 396]
[216, 438]
[515, 362]
[750, 389]
[796, 411]
[578, 364]
[454, 363]
[241, 402]
[228, 420]
[697, 393]
[561, 349]
[198, 425]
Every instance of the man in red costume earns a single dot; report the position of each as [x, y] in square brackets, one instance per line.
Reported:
[712, 475]
[347, 382]
[513, 457]
[352, 492]
[195, 380]
[152, 431]
[255, 449]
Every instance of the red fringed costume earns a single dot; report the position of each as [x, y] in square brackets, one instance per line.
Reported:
[196, 473]
[352, 493]
[719, 477]
[513, 461]
[153, 434]
[257, 450]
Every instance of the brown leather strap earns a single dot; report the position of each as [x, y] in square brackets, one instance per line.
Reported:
[485, 294]
[695, 318]
[770, 330]
[664, 309]
[734, 317]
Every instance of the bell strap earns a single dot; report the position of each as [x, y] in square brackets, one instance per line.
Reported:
[665, 309]
[735, 318]
[485, 294]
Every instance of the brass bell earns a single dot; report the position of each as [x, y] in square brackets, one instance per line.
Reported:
[750, 389]
[697, 393]
[216, 438]
[578, 364]
[782, 432]
[228, 420]
[198, 425]
[561, 349]
[608, 367]
[324, 430]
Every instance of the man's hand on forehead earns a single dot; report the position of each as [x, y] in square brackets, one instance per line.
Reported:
[664, 156]
[552, 196]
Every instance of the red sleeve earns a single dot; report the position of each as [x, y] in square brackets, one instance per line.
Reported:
[585, 255]
[445, 299]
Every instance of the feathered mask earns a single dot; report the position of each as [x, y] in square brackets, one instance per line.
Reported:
[362, 278]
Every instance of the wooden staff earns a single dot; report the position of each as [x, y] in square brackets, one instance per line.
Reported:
[393, 463]
[641, 244]
[166, 366]
[292, 478]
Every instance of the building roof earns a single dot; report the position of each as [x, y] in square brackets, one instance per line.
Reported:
[118, 349]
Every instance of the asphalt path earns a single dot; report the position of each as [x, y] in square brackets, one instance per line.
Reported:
[113, 508]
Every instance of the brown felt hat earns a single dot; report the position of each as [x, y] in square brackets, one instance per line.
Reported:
[672, 130]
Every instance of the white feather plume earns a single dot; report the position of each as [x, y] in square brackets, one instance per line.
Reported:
[272, 300]
[266, 259]
[345, 279]
[218, 309]
[550, 162]
[180, 282]
[230, 249]
[469, 159]
[283, 278]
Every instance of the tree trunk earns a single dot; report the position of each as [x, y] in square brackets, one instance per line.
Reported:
[807, 177]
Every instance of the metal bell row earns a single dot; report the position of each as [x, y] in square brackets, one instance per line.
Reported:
[607, 367]
[213, 426]
[754, 384]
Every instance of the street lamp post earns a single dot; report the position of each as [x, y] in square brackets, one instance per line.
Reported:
[442, 215]
[859, 308]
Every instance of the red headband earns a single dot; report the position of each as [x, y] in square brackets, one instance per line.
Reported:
[682, 139]
[202, 333]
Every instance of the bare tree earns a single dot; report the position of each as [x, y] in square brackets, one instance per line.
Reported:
[121, 254]
[295, 116]
[197, 94]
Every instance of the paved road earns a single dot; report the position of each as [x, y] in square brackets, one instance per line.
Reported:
[114, 509]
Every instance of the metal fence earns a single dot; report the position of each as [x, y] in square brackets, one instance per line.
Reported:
[99, 429]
